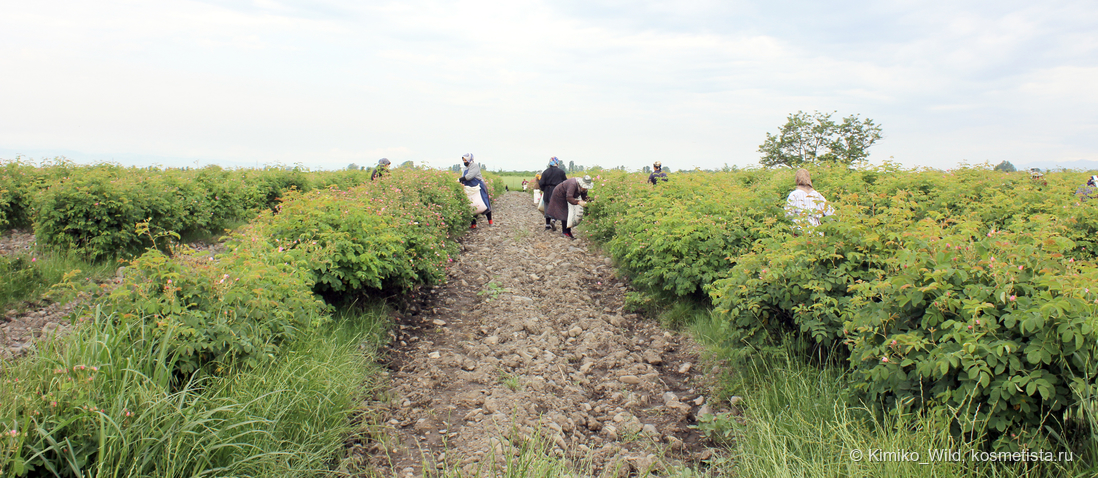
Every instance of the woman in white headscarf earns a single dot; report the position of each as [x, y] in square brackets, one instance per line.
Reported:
[471, 177]
[572, 191]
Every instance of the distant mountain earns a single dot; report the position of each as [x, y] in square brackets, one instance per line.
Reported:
[1078, 164]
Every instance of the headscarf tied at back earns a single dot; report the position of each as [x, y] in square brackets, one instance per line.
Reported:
[554, 161]
[467, 158]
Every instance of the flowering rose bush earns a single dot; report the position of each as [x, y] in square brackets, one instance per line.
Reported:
[967, 290]
[94, 209]
[392, 233]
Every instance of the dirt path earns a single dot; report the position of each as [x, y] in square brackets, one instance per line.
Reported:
[24, 324]
[527, 345]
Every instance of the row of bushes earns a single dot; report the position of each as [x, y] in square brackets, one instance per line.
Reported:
[395, 233]
[966, 291]
[177, 324]
[93, 209]
[686, 233]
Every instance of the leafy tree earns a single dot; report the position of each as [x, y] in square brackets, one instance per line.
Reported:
[408, 164]
[352, 167]
[647, 169]
[1006, 167]
[816, 138]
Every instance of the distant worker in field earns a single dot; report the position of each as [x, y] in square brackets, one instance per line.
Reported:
[550, 178]
[381, 169]
[657, 173]
[806, 205]
[524, 184]
[1088, 190]
[571, 191]
[471, 177]
[1037, 177]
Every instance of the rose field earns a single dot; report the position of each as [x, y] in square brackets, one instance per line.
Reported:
[285, 322]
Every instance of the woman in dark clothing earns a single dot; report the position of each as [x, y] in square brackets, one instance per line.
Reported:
[381, 169]
[550, 178]
[657, 174]
[571, 191]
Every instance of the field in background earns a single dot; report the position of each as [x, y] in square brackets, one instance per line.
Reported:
[514, 181]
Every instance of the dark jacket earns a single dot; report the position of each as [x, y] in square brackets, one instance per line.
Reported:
[1087, 191]
[564, 194]
[550, 178]
[657, 176]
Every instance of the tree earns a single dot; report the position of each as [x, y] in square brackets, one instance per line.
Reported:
[647, 169]
[1006, 167]
[571, 166]
[816, 138]
[352, 167]
[408, 164]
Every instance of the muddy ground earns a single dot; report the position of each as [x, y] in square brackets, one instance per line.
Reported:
[527, 345]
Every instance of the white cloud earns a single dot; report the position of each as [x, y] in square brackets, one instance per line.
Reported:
[698, 82]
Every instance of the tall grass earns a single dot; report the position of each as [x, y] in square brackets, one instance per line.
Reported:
[28, 275]
[801, 420]
[134, 418]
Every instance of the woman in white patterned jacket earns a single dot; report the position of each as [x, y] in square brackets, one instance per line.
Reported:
[806, 205]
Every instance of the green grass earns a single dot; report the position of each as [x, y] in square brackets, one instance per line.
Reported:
[513, 382]
[134, 418]
[27, 276]
[801, 420]
[210, 237]
[515, 182]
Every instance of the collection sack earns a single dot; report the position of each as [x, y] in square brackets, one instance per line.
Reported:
[575, 215]
[474, 198]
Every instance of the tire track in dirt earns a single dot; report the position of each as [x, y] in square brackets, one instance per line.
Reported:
[527, 345]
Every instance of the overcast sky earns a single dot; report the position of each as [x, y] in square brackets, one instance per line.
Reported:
[689, 83]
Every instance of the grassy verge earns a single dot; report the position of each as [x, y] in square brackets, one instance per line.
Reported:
[104, 403]
[801, 420]
[29, 275]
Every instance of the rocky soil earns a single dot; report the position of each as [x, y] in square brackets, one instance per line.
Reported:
[21, 327]
[25, 324]
[526, 346]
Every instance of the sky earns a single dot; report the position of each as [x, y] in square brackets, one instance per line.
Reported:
[690, 83]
